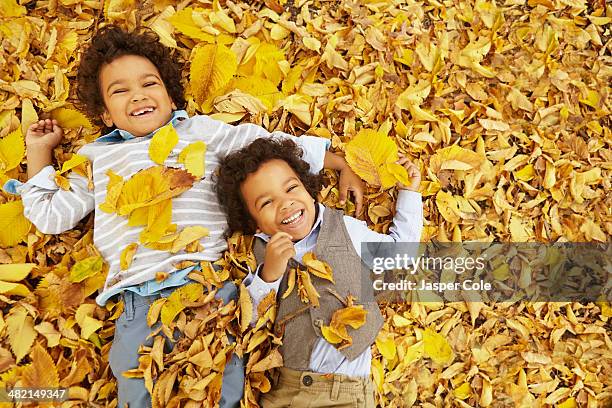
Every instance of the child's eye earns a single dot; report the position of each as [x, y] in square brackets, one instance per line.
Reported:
[150, 83]
[118, 91]
[265, 203]
[291, 188]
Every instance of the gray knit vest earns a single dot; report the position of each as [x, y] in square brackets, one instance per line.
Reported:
[300, 325]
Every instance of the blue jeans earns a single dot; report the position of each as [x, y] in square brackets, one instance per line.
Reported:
[131, 330]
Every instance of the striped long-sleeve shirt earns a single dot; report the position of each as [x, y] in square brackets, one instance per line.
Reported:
[54, 210]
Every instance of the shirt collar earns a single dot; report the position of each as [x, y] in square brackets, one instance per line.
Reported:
[315, 228]
[120, 135]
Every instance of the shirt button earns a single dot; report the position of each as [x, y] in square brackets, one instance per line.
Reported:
[307, 380]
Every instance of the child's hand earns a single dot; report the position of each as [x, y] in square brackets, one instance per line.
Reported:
[351, 181]
[44, 134]
[414, 175]
[278, 252]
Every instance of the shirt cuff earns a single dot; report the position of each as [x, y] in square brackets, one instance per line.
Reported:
[314, 151]
[13, 186]
[258, 287]
[409, 201]
[44, 179]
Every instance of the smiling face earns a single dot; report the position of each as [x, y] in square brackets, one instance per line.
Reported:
[135, 96]
[278, 201]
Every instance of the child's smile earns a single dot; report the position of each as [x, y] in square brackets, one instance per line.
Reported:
[143, 112]
[135, 96]
[278, 201]
[294, 223]
[294, 219]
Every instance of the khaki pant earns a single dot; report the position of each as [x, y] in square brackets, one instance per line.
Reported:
[303, 389]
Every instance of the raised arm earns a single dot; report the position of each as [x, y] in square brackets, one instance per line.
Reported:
[407, 223]
[50, 208]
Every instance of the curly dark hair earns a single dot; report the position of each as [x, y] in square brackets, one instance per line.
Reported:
[235, 168]
[112, 42]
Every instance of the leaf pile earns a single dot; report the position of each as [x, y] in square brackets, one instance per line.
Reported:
[503, 105]
[305, 287]
[192, 371]
[351, 315]
[53, 333]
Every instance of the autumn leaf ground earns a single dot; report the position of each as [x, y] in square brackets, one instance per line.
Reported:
[523, 85]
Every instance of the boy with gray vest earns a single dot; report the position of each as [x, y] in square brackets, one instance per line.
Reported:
[267, 189]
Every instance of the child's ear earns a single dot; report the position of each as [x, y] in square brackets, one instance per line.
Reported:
[173, 106]
[106, 118]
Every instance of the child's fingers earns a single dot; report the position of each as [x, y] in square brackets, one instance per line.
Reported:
[350, 182]
[280, 244]
[36, 125]
[48, 126]
[358, 201]
[288, 252]
[343, 194]
[281, 250]
[285, 245]
[36, 129]
[282, 241]
[413, 170]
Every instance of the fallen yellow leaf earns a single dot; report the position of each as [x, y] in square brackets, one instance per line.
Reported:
[162, 143]
[318, 268]
[437, 348]
[192, 156]
[369, 153]
[21, 333]
[14, 226]
[125, 259]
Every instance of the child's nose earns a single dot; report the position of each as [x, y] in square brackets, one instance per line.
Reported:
[288, 203]
[137, 97]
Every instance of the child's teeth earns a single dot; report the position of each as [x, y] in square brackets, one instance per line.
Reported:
[292, 218]
[140, 112]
